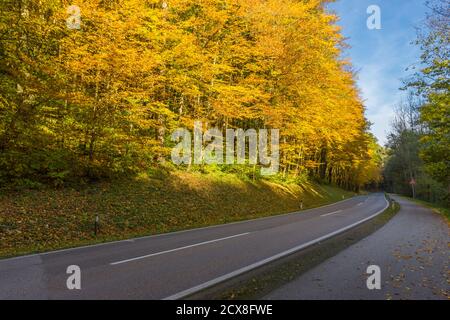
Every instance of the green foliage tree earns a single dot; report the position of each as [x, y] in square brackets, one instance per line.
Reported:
[432, 83]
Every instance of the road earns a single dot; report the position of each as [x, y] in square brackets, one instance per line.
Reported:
[173, 265]
[411, 251]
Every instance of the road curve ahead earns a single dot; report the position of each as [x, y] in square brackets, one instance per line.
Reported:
[173, 265]
[411, 251]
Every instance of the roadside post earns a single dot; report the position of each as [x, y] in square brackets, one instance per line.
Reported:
[413, 183]
[96, 225]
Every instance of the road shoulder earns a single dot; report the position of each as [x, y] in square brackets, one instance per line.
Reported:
[411, 251]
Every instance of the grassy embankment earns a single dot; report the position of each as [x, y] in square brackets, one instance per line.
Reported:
[443, 211]
[48, 219]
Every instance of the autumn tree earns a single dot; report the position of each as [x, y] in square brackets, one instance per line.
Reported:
[103, 98]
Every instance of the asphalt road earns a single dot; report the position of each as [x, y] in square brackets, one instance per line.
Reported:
[411, 251]
[171, 266]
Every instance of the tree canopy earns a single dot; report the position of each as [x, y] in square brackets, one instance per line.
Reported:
[103, 98]
[420, 141]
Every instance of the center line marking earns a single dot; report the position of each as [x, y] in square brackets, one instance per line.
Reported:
[260, 263]
[177, 249]
[329, 214]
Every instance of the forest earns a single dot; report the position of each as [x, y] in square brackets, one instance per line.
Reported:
[92, 92]
[418, 162]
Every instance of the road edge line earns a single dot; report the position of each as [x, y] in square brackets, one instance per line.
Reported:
[32, 255]
[260, 263]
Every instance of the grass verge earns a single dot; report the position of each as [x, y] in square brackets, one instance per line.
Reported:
[445, 212]
[41, 220]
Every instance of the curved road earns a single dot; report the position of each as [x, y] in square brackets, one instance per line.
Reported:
[411, 251]
[173, 265]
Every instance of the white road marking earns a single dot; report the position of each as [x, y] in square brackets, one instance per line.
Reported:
[331, 213]
[178, 249]
[255, 265]
[173, 232]
[359, 204]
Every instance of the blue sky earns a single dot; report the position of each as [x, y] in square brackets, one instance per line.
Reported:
[381, 56]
